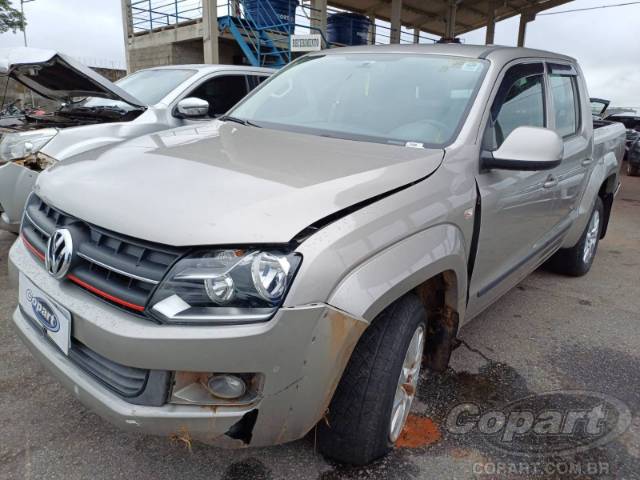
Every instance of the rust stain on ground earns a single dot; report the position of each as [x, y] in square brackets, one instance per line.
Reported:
[419, 432]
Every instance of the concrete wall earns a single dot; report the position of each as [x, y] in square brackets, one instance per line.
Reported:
[166, 54]
[181, 53]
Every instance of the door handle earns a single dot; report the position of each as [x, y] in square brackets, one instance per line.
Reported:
[586, 162]
[550, 182]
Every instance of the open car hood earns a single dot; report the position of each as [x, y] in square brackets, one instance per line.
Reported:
[57, 76]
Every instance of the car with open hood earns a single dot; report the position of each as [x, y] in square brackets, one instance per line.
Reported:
[301, 261]
[95, 113]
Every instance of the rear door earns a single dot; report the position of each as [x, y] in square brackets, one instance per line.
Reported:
[516, 207]
[568, 120]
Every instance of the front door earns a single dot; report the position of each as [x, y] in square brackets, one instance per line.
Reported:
[517, 208]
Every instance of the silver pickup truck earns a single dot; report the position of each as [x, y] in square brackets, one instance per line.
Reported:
[298, 262]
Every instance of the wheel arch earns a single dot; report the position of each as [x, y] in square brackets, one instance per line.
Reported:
[433, 265]
[602, 183]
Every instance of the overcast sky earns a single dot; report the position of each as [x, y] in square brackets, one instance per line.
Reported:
[605, 41]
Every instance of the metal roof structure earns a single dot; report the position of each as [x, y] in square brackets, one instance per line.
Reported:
[225, 29]
[432, 16]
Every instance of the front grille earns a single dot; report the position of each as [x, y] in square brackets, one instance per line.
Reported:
[116, 268]
[126, 381]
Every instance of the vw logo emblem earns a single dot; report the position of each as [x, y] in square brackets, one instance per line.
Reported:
[59, 253]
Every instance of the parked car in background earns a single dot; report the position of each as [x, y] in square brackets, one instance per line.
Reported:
[290, 264]
[629, 117]
[95, 112]
[631, 120]
[633, 157]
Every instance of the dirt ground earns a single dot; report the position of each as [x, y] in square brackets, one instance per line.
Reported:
[550, 333]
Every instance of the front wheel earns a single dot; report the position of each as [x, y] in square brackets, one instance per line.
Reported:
[577, 261]
[633, 170]
[374, 396]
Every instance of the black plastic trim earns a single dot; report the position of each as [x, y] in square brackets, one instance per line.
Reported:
[473, 249]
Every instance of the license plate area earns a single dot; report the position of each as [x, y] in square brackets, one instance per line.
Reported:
[54, 319]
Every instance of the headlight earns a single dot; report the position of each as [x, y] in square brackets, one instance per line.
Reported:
[225, 287]
[15, 146]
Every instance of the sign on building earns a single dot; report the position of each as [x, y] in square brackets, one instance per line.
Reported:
[306, 43]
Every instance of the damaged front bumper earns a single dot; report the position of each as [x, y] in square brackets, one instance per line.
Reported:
[301, 354]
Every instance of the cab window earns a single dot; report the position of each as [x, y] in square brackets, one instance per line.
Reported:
[519, 102]
[566, 111]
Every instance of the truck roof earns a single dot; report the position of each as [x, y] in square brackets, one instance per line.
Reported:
[209, 68]
[499, 53]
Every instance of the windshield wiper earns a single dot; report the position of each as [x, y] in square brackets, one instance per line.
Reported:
[241, 121]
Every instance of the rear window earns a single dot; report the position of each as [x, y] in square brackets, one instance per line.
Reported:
[565, 104]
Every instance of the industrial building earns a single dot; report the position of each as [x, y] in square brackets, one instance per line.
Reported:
[259, 32]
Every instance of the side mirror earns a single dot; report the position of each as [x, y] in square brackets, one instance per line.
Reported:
[526, 148]
[191, 107]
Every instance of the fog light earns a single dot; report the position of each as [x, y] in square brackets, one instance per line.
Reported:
[226, 386]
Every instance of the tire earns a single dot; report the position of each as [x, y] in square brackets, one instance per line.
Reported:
[357, 429]
[633, 170]
[575, 261]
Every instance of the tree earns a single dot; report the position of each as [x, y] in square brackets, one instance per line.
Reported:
[10, 18]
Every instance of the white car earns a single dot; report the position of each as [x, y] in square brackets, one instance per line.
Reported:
[95, 112]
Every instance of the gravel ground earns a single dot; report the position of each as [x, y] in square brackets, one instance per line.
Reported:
[550, 333]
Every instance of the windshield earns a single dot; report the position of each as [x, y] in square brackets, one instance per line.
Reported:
[148, 86]
[388, 98]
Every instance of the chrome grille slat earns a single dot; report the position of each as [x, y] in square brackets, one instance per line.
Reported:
[117, 268]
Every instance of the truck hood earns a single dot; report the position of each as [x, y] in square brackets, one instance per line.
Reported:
[224, 183]
[57, 76]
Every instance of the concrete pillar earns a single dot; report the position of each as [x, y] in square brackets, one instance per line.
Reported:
[319, 16]
[525, 18]
[210, 31]
[451, 19]
[127, 30]
[396, 20]
[491, 23]
[416, 35]
[372, 28]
